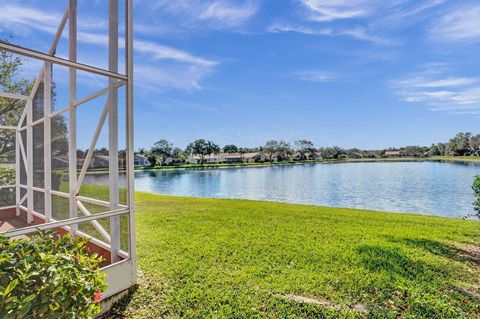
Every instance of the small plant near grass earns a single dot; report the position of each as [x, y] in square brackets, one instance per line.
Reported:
[7, 177]
[476, 192]
[49, 276]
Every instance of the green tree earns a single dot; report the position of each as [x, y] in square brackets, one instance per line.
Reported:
[202, 148]
[162, 149]
[213, 148]
[178, 155]
[152, 158]
[284, 151]
[475, 142]
[460, 143]
[304, 147]
[270, 148]
[142, 151]
[242, 151]
[230, 148]
[434, 150]
[412, 151]
[11, 81]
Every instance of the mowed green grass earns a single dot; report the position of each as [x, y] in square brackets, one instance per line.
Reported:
[209, 258]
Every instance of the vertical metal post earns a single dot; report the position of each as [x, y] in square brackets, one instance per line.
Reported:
[47, 140]
[17, 171]
[72, 95]
[29, 163]
[129, 132]
[113, 127]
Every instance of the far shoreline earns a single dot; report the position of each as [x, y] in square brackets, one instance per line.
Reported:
[446, 159]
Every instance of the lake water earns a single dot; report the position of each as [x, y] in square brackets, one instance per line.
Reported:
[433, 188]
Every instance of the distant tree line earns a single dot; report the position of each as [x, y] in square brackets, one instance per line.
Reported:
[164, 152]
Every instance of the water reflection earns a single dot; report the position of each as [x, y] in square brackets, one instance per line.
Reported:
[419, 187]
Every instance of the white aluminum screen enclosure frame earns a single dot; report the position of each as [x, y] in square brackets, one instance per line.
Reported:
[121, 273]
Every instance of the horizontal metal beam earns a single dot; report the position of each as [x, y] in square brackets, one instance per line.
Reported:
[13, 96]
[63, 223]
[8, 207]
[58, 193]
[123, 254]
[55, 60]
[94, 201]
[77, 103]
[95, 223]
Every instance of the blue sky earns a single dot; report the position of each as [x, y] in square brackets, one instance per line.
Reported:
[365, 73]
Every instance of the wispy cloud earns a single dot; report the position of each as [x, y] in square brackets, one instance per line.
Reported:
[164, 76]
[440, 91]
[327, 10]
[314, 76]
[185, 70]
[373, 21]
[358, 33]
[404, 14]
[162, 52]
[425, 82]
[23, 19]
[215, 14]
[462, 25]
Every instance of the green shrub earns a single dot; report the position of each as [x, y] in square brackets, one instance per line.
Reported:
[49, 276]
[476, 192]
[7, 177]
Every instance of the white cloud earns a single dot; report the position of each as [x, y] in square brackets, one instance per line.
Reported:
[185, 70]
[425, 82]
[215, 13]
[314, 76]
[279, 27]
[375, 21]
[162, 52]
[403, 14]
[164, 76]
[439, 91]
[23, 19]
[228, 14]
[327, 10]
[358, 33]
[461, 24]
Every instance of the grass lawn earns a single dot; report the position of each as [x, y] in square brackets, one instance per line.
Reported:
[210, 258]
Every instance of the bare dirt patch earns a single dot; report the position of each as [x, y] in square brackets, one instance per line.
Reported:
[323, 303]
[469, 252]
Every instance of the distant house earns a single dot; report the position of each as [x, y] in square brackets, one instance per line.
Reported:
[253, 157]
[316, 156]
[356, 155]
[208, 159]
[371, 155]
[140, 160]
[241, 158]
[99, 161]
[60, 162]
[392, 153]
[232, 157]
[226, 158]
